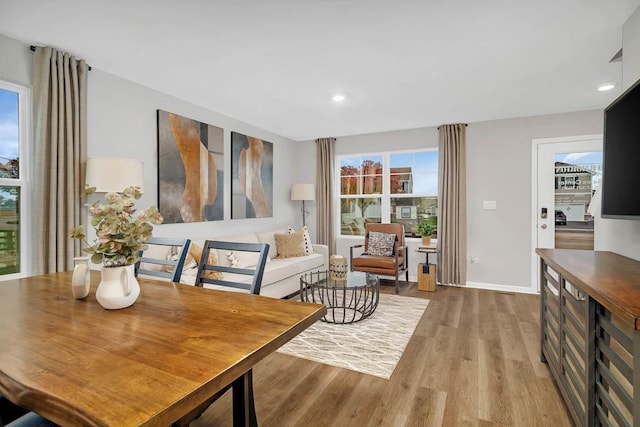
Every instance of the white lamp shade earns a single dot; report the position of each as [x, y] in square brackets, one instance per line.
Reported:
[303, 192]
[114, 174]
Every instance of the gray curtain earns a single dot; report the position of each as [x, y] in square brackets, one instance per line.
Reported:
[452, 208]
[324, 192]
[59, 154]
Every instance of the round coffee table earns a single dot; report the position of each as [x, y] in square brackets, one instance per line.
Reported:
[348, 301]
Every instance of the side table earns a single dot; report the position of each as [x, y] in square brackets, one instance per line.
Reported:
[349, 300]
[427, 271]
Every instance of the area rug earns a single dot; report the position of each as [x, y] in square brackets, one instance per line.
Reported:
[372, 346]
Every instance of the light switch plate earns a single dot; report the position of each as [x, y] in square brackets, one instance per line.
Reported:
[489, 204]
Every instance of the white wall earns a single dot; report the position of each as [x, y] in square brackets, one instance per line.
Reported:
[122, 122]
[616, 235]
[498, 169]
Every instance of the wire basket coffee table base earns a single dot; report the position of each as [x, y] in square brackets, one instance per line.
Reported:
[347, 301]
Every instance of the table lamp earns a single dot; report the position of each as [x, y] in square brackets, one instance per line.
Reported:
[303, 192]
[114, 174]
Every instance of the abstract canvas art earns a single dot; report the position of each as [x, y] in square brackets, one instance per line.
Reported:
[251, 177]
[190, 169]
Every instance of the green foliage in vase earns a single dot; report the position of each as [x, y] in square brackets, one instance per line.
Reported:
[120, 235]
[428, 226]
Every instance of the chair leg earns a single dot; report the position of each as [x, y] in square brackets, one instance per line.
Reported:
[397, 288]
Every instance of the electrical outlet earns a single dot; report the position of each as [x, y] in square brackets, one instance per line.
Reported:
[474, 260]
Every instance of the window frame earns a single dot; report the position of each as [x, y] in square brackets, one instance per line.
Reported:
[385, 196]
[24, 180]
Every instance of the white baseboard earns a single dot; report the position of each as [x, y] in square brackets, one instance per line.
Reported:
[501, 288]
[490, 287]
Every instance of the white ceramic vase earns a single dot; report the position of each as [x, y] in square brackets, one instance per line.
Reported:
[81, 279]
[118, 287]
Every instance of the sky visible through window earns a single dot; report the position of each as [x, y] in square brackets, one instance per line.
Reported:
[580, 159]
[9, 147]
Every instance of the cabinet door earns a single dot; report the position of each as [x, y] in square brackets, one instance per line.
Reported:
[616, 378]
[576, 362]
[550, 317]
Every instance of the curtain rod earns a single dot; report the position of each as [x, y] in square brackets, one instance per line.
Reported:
[32, 48]
[465, 125]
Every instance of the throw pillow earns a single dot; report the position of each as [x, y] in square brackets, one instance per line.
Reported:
[290, 244]
[233, 259]
[174, 254]
[196, 252]
[381, 244]
[308, 247]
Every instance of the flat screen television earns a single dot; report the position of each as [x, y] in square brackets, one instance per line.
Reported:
[621, 157]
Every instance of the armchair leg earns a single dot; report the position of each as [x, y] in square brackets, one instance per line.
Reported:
[397, 288]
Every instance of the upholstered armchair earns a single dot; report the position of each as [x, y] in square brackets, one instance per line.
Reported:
[385, 252]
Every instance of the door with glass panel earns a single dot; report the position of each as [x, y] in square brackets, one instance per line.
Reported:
[13, 182]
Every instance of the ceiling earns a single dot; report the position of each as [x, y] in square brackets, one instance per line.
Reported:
[402, 64]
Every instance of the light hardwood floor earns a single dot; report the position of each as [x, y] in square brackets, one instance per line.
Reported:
[473, 360]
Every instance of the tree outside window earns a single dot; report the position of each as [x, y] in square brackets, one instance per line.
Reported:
[394, 187]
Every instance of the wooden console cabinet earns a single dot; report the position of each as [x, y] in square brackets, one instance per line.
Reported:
[589, 333]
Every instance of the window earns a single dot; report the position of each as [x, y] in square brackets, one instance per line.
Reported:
[388, 187]
[13, 181]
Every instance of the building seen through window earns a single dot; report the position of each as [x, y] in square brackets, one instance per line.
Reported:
[397, 187]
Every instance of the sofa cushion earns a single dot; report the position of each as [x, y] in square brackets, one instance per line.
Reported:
[372, 261]
[244, 259]
[380, 244]
[267, 237]
[195, 251]
[290, 244]
[308, 246]
[155, 252]
[279, 269]
[314, 261]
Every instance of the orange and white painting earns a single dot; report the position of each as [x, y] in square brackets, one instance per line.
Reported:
[251, 177]
[190, 169]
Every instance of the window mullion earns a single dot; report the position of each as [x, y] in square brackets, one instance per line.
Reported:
[385, 201]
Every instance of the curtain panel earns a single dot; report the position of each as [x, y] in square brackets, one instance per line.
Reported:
[452, 195]
[325, 154]
[59, 157]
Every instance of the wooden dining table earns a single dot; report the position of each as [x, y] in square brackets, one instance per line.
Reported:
[151, 364]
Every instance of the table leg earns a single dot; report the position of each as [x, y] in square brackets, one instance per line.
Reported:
[244, 410]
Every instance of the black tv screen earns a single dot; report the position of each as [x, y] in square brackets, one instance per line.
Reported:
[621, 157]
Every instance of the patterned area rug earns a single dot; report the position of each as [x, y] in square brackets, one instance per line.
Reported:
[372, 346]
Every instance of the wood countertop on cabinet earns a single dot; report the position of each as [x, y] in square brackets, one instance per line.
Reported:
[611, 279]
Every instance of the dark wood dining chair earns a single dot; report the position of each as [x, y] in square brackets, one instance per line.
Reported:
[9, 411]
[170, 267]
[250, 280]
[252, 275]
[30, 419]
[12, 415]
[387, 265]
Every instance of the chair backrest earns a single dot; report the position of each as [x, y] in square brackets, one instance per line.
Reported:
[169, 267]
[253, 274]
[397, 229]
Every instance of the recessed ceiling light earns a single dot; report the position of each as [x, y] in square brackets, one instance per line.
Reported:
[338, 97]
[606, 86]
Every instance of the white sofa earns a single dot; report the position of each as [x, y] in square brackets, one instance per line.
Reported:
[281, 276]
